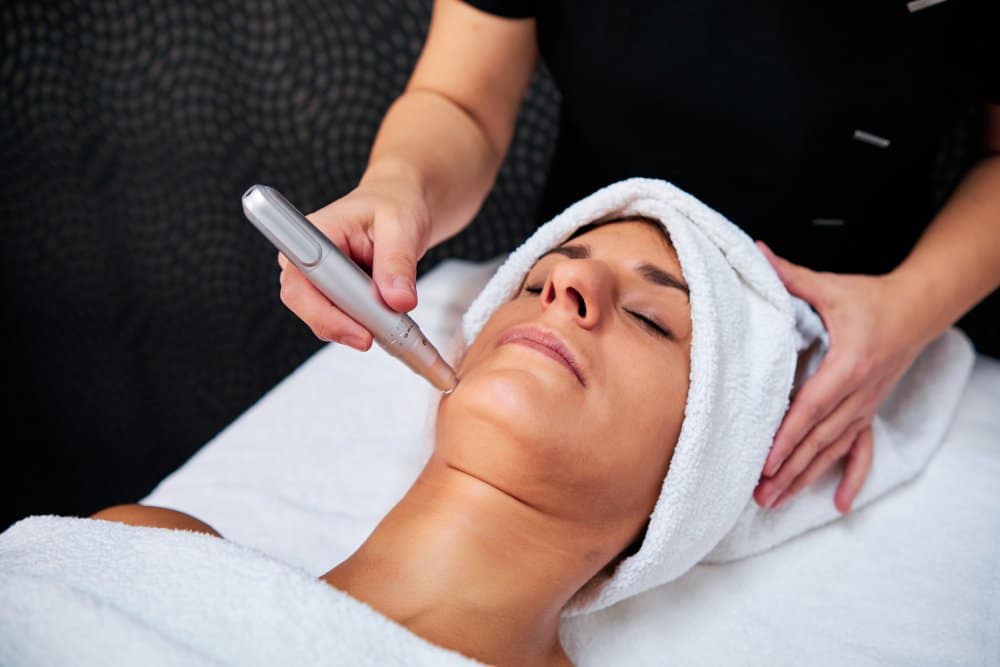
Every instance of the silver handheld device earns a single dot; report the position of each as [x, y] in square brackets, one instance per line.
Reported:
[345, 283]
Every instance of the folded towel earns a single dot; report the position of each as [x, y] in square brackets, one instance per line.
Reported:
[89, 592]
[747, 332]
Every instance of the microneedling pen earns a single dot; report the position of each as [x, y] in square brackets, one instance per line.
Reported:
[345, 283]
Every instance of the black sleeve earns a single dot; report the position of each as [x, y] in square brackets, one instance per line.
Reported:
[511, 9]
[990, 77]
[987, 51]
[990, 90]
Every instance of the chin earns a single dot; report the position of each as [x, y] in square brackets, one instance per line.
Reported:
[523, 401]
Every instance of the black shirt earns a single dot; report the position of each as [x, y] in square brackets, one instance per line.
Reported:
[814, 126]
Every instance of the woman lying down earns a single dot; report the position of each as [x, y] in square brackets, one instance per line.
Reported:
[629, 366]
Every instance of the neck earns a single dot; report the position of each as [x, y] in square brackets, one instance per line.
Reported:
[471, 568]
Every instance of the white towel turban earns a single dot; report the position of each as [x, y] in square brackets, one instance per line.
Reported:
[746, 334]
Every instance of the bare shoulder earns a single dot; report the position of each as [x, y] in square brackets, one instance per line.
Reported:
[154, 517]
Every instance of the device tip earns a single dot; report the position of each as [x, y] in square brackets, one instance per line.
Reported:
[442, 376]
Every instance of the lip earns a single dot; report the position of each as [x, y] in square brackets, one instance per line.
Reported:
[535, 336]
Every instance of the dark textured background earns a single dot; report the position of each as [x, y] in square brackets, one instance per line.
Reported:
[140, 309]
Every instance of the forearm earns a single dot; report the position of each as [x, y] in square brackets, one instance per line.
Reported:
[443, 151]
[956, 262]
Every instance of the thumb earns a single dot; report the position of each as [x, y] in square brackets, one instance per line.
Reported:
[798, 280]
[394, 263]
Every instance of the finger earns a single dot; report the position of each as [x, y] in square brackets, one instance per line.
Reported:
[395, 262]
[282, 260]
[846, 418]
[819, 465]
[344, 224]
[859, 463]
[851, 411]
[326, 321]
[819, 396]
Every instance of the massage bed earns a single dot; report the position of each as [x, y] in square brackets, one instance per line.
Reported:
[912, 579]
[307, 472]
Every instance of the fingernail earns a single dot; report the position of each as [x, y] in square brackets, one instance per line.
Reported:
[356, 342]
[770, 498]
[400, 282]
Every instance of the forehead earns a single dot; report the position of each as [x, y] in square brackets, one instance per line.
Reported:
[633, 238]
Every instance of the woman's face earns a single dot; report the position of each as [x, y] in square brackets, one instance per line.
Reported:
[592, 442]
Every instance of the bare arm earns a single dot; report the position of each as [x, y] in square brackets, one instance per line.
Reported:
[154, 517]
[434, 160]
[452, 126]
[956, 262]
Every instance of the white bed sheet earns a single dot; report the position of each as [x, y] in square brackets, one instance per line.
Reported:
[914, 579]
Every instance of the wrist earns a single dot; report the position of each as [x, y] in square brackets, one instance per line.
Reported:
[395, 170]
[918, 301]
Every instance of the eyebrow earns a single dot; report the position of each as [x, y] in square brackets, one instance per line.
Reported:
[649, 272]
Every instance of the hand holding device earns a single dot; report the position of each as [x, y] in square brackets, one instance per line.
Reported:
[383, 223]
[344, 282]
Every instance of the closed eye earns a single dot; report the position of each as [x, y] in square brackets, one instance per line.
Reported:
[657, 329]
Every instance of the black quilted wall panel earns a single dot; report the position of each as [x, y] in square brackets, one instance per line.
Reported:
[141, 310]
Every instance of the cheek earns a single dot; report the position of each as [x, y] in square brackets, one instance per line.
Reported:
[649, 398]
[512, 387]
[496, 431]
[500, 387]
[509, 398]
[602, 456]
[510, 422]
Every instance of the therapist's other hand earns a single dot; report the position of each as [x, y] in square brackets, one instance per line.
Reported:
[872, 344]
[383, 226]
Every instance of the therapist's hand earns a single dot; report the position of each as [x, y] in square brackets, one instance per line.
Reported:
[872, 344]
[383, 225]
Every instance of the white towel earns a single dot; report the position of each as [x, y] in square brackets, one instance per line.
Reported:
[908, 580]
[87, 592]
[746, 334]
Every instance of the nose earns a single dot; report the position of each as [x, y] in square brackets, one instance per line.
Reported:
[578, 287]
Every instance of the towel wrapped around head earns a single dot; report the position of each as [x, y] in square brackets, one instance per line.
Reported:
[747, 333]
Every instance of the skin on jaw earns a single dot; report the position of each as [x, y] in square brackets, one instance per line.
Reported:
[536, 481]
[565, 453]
